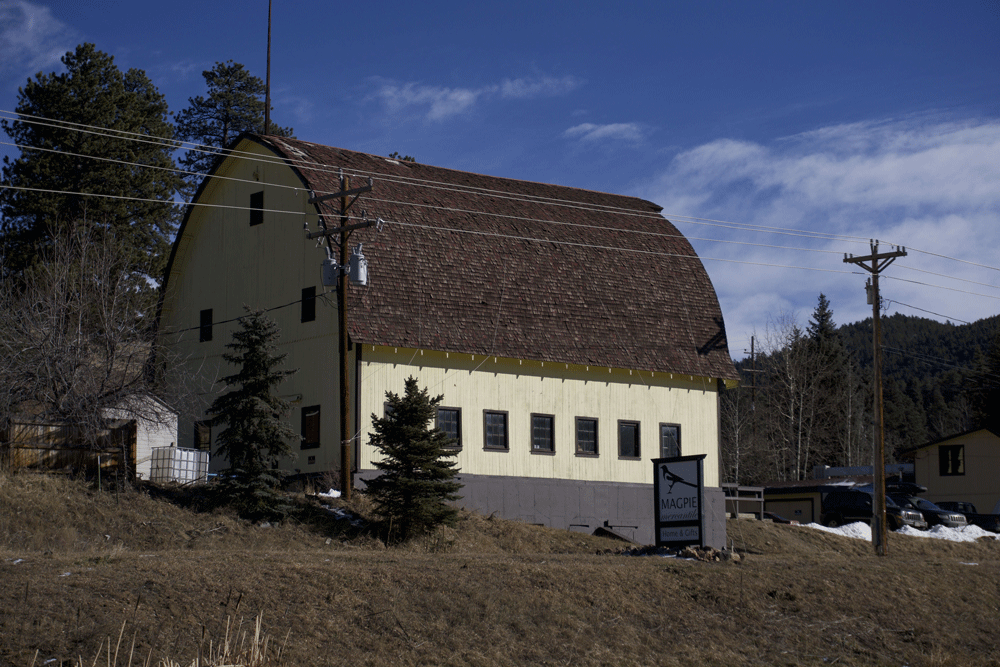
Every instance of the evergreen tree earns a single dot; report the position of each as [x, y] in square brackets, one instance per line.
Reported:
[256, 435]
[986, 389]
[235, 104]
[416, 481]
[91, 130]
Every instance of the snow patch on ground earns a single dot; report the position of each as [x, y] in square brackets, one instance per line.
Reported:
[863, 531]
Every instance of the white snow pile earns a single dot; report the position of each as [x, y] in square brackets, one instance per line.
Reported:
[332, 493]
[863, 531]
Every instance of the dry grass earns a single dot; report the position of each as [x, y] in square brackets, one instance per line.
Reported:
[76, 564]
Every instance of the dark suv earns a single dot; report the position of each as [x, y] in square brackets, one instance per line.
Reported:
[936, 516]
[850, 505]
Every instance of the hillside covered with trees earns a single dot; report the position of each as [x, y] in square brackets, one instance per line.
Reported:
[806, 396]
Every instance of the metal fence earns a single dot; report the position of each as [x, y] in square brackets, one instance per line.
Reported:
[174, 464]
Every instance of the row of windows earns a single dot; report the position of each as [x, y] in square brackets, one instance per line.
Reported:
[307, 313]
[495, 434]
[495, 428]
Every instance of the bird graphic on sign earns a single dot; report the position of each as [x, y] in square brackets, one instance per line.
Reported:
[674, 478]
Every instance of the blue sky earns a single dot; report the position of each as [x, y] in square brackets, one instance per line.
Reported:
[776, 135]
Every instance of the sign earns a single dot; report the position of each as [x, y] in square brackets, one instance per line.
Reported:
[677, 488]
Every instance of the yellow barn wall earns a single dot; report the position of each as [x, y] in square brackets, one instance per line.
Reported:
[223, 263]
[475, 383]
[979, 485]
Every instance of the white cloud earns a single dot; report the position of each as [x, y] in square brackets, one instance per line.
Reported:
[631, 132]
[923, 183]
[31, 39]
[437, 103]
[544, 86]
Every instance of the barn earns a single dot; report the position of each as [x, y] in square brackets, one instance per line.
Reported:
[574, 335]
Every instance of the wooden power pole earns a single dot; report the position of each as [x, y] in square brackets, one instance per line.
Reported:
[878, 262]
[346, 439]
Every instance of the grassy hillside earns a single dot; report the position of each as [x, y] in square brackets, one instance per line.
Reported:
[77, 565]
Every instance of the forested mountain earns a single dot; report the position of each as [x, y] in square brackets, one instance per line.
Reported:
[806, 399]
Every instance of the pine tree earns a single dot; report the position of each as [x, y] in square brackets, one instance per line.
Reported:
[256, 435]
[90, 131]
[416, 482]
[235, 104]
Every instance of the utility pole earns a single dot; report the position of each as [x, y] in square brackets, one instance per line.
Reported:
[344, 231]
[267, 88]
[878, 263]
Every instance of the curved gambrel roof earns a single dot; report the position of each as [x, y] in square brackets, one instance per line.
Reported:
[485, 265]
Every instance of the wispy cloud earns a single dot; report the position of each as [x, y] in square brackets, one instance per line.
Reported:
[31, 39]
[923, 183]
[589, 132]
[437, 103]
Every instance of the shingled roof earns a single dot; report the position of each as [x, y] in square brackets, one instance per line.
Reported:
[493, 266]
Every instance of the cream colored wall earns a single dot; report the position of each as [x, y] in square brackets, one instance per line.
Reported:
[475, 383]
[222, 263]
[979, 485]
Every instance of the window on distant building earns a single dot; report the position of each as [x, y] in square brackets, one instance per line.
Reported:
[308, 304]
[670, 441]
[951, 459]
[542, 433]
[310, 427]
[449, 420]
[628, 439]
[256, 208]
[203, 436]
[205, 326]
[586, 436]
[495, 429]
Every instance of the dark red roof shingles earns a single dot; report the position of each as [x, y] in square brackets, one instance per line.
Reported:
[485, 265]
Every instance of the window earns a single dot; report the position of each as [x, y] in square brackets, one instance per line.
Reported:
[308, 304]
[205, 331]
[495, 429]
[670, 441]
[203, 436]
[256, 208]
[952, 460]
[586, 436]
[449, 420]
[628, 439]
[310, 427]
[542, 433]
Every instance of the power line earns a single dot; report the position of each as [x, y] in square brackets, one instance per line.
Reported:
[477, 191]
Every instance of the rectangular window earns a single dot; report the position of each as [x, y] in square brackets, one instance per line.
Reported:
[670, 441]
[203, 436]
[256, 208]
[628, 439]
[542, 433]
[310, 427]
[449, 420]
[952, 460]
[495, 429]
[308, 304]
[586, 436]
[205, 326]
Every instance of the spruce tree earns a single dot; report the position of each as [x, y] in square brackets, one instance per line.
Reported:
[97, 152]
[256, 435]
[235, 104]
[416, 481]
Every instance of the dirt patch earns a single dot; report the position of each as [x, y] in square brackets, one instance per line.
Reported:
[76, 565]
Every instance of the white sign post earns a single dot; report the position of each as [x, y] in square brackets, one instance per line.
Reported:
[677, 488]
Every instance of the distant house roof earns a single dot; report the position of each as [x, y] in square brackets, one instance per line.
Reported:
[478, 264]
[909, 453]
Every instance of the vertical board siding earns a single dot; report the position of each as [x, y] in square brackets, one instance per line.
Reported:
[474, 383]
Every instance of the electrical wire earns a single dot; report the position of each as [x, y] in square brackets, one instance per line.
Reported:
[469, 189]
[900, 303]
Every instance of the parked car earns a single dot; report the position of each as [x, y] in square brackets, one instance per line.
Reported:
[850, 505]
[989, 522]
[935, 515]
